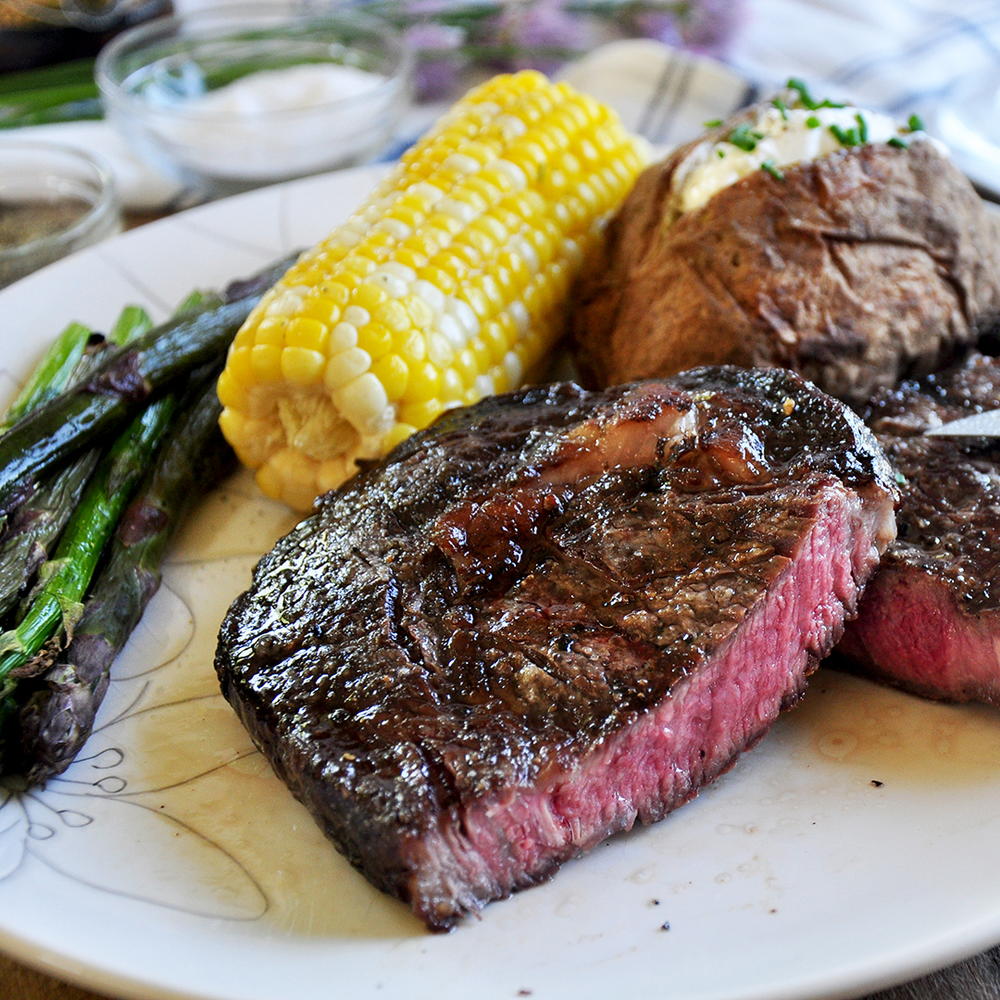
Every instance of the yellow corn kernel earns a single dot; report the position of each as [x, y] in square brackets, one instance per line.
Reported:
[306, 332]
[447, 284]
[452, 386]
[231, 393]
[399, 433]
[394, 375]
[421, 414]
[425, 380]
[345, 366]
[265, 360]
[374, 339]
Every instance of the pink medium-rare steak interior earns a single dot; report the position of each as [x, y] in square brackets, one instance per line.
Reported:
[930, 621]
[645, 770]
[914, 634]
[551, 614]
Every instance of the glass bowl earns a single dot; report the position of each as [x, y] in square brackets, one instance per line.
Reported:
[233, 98]
[53, 200]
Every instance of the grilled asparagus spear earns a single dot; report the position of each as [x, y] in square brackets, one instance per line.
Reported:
[64, 578]
[51, 375]
[38, 522]
[58, 715]
[134, 374]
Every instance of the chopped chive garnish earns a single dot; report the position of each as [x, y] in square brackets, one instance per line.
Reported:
[813, 122]
[845, 136]
[745, 137]
[768, 166]
[806, 99]
[782, 108]
[862, 127]
[721, 154]
[915, 123]
[799, 86]
[898, 143]
[712, 123]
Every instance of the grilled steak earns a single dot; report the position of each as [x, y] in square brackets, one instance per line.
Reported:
[552, 614]
[930, 621]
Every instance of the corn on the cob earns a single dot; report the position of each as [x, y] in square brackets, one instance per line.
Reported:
[447, 285]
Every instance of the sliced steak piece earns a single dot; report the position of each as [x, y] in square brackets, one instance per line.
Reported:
[930, 621]
[552, 614]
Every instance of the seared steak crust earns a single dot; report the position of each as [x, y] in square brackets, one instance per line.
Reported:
[551, 614]
[931, 617]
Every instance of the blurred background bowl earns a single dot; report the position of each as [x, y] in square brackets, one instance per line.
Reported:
[233, 98]
[53, 200]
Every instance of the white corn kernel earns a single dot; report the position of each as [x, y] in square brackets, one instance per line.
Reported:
[450, 328]
[400, 271]
[357, 316]
[342, 337]
[464, 315]
[345, 366]
[461, 163]
[464, 211]
[364, 403]
[519, 314]
[432, 295]
[396, 229]
[513, 368]
[394, 287]
[286, 303]
[513, 172]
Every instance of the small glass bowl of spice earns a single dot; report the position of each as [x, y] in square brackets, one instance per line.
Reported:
[53, 200]
[238, 97]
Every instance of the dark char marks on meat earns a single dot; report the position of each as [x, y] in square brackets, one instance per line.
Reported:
[930, 621]
[552, 615]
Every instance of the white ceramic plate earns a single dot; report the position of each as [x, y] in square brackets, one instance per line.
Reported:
[169, 862]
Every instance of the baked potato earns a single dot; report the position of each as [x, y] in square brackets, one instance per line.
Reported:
[856, 267]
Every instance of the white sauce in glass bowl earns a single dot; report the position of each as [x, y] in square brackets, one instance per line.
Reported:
[788, 138]
[297, 87]
[277, 123]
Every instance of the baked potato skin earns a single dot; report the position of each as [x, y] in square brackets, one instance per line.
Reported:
[856, 269]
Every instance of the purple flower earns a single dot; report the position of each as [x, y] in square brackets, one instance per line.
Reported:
[706, 26]
[439, 60]
[428, 8]
[710, 25]
[664, 26]
[533, 25]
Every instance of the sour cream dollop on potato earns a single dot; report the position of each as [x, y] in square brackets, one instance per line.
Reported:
[778, 138]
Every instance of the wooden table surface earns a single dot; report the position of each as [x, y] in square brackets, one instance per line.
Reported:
[976, 979]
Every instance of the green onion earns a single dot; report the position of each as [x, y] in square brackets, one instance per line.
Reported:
[845, 136]
[782, 108]
[800, 87]
[898, 143]
[769, 167]
[862, 127]
[806, 99]
[915, 123]
[712, 123]
[50, 77]
[745, 137]
[721, 154]
[813, 122]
